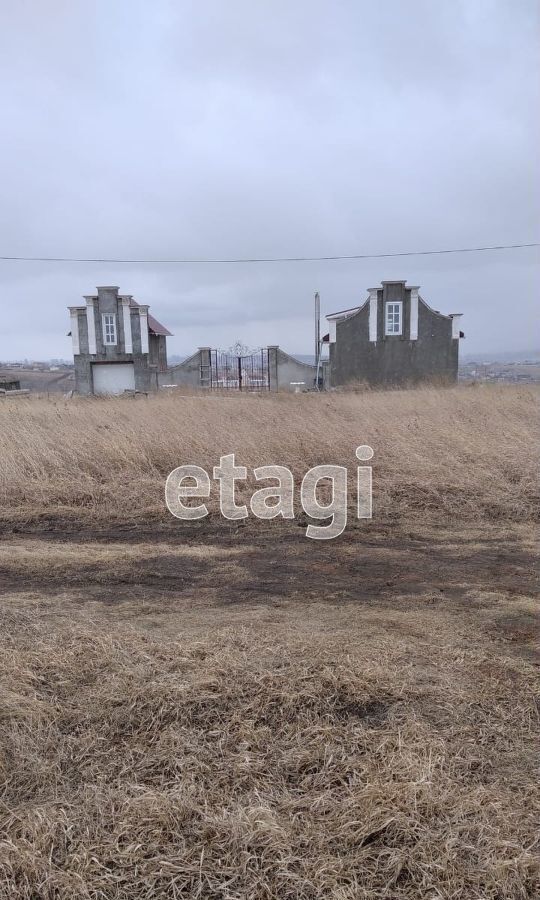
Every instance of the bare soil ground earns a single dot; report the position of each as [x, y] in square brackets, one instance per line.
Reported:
[175, 568]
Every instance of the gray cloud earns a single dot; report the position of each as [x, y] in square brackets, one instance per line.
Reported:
[178, 129]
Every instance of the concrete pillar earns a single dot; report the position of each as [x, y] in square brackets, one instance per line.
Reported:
[205, 354]
[373, 313]
[273, 366]
[126, 317]
[143, 314]
[91, 322]
[413, 319]
[456, 324]
[325, 369]
[74, 319]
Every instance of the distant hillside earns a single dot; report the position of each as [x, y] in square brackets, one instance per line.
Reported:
[502, 356]
[41, 381]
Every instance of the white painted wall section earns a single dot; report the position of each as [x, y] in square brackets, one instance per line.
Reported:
[373, 312]
[74, 319]
[143, 313]
[332, 331]
[91, 321]
[413, 332]
[128, 337]
[456, 324]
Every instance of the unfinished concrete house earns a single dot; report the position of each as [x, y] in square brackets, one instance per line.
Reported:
[117, 345]
[393, 338]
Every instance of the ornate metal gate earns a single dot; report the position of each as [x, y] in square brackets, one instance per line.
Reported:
[229, 371]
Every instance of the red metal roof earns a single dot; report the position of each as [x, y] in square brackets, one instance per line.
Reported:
[153, 325]
[156, 327]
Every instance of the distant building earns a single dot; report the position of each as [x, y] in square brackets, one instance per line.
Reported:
[117, 344]
[393, 338]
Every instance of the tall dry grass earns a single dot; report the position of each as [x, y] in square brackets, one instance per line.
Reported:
[464, 452]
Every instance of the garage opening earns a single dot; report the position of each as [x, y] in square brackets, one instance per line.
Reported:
[113, 378]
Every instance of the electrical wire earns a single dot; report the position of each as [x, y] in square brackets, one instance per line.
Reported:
[270, 259]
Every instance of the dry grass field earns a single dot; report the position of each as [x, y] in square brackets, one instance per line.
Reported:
[465, 454]
[231, 711]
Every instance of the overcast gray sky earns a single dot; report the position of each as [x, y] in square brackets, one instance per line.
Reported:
[238, 128]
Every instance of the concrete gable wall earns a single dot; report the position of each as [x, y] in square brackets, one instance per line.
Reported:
[107, 300]
[101, 307]
[394, 359]
[110, 351]
[348, 353]
[392, 293]
[432, 323]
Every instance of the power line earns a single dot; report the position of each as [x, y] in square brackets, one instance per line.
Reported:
[268, 259]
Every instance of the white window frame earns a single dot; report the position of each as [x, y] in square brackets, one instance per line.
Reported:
[109, 330]
[393, 308]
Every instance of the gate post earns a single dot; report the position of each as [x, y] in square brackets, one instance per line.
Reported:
[206, 367]
[273, 366]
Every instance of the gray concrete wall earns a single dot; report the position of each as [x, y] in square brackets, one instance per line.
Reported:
[136, 331]
[285, 369]
[83, 374]
[186, 374]
[394, 359]
[157, 355]
[162, 352]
